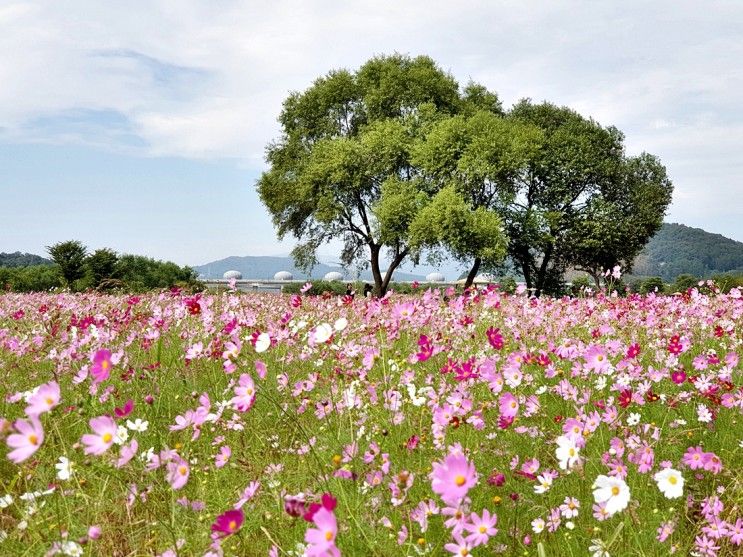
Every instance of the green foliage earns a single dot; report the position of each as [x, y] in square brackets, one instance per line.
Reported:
[101, 266]
[652, 284]
[450, 221]
[583, 203]
[139, 273]
[727, 281]
[684, 282]
[579, 284]
[36, 278]
[70, 257]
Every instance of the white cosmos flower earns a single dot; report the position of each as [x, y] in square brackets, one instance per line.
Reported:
[633, 419]
[566, 452]
[6, 501]
[262, 343]
[138, 425]
[537, 525]
[340, 324]
[670, 482]
[73, 549]
[611, 491]
[544, 482]
[122, 434]
[65, 468]
[322, 333]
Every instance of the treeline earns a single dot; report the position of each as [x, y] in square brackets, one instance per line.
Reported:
[74, 268]
[645, 285]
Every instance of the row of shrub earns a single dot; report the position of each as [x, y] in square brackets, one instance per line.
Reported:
[127, 273]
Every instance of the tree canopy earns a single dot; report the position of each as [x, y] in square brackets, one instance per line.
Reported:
[394, 159]
[343, 167]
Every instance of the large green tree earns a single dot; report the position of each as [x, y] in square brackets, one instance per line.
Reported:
[101, 265]
[481, 156]
[343, 166]
[70, 256]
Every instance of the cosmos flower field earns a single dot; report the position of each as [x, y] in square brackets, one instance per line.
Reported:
[430, 424]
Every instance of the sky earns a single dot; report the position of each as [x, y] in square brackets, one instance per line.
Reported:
[141, 125]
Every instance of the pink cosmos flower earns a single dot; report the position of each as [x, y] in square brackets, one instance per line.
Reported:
[694, 458]
[45, 398]
[508, 405]
[228, 522]
[224, 455]
[98, 442]
[101, 368]
[127, 453]
[481, 528]
[453, 478]
[321, 539]
[27, 441]
[459, 546]
[125, 410]
[244, 394]
[178, 472]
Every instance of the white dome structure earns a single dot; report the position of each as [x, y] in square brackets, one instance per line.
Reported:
[333, 275]
[485, 279]
[435, 277]
[283, 275]
[229, 275]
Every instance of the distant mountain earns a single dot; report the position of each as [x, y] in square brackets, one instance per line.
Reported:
[18, 259]
[265, 267]
[678, 249]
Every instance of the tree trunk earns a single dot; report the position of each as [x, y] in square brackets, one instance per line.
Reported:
[376, 274]
[391, 269]
[542, 273]
[473, 273]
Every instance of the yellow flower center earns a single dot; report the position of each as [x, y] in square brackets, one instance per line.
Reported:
[107, 437]
[483, 529]
[182, 470]
[104, 364]
[672, 480]
[33, 439]
[459, 480]
[615, 491]
[600, 358]
[232, 525]
[49, 401]
[571, 452]
[328, 535]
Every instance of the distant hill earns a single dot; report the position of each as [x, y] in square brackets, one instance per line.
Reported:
[678, 249]
[265, 267]
[18, 259]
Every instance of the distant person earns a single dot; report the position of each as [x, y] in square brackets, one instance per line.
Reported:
[349, 290]
[367, 290]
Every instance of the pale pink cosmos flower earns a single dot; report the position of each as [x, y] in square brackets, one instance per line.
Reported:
[321, 539]
[27, 441]
[104, 430]
[508, 405]
[223, 456]
[244, 394]
[481, 528]
[45, 398]
[127, 453]
[177, 474]
[453, 478]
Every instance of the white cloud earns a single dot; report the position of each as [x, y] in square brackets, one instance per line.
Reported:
[206, 79]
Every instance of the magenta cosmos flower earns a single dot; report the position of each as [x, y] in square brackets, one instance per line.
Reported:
[101, 368]
[453, 478]
[27, 441]
[46, 398]
[228, 522]
[98, 442]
